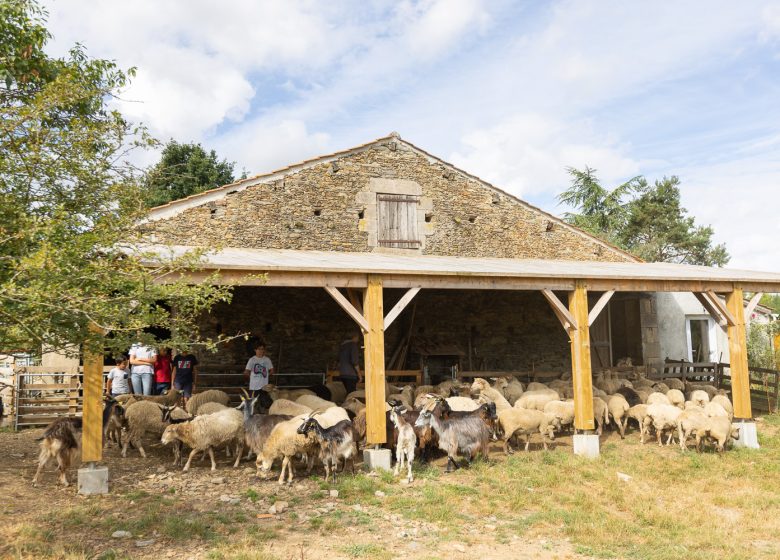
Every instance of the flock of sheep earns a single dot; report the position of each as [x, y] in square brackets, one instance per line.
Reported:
[460, 419]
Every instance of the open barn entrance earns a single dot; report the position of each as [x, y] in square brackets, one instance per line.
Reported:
[441, 333]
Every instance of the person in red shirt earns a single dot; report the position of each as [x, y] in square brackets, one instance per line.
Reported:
[163, 365]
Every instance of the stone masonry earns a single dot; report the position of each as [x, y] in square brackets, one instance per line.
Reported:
[327, 206]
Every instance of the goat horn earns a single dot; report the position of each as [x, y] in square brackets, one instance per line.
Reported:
[244, 391]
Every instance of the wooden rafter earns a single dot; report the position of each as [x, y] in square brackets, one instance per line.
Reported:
[400, 306]
[600, 305]
[751, 306]
[355, 299]
[560, 310]
[711, 309]
[721, 307]
[348, 307]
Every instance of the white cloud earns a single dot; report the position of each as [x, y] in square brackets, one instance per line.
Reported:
[435, 25]
[528, 154]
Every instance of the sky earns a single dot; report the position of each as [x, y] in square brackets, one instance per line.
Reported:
[513, 92]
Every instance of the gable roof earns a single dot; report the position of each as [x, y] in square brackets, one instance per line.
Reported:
[175, 207]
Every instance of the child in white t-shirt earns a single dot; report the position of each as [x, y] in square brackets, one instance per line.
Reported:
[118, 377]
[259, 369]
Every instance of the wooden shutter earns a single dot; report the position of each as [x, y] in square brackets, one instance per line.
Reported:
[397, 221]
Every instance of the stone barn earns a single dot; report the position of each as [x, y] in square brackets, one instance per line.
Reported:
[442, 272]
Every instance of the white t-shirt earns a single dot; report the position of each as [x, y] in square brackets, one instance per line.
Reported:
[144, 353]
[119, 385]
[259, 369]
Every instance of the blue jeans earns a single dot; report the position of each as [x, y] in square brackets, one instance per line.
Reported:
[160, 387]
[142, 383]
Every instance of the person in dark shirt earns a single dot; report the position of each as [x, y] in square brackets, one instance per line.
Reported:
[184, 373]
[349, 363]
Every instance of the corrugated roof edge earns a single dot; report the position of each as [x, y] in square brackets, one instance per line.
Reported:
[177, 206]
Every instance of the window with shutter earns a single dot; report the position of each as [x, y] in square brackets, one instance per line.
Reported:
[397, 221]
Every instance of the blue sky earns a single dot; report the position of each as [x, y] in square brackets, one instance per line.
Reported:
[513, 92]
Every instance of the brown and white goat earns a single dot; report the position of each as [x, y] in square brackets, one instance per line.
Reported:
[60, 441]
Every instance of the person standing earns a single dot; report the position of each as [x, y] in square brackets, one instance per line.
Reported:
[142, 368]
[162, 370]
[349, 363]
[259, 369]
[118, 383]
[184, 373]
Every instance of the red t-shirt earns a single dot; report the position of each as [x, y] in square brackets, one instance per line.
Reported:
[162, 369]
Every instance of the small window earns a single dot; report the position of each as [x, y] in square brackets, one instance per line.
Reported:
[397, 221]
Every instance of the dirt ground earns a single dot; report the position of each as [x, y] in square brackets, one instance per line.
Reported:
[225, 514]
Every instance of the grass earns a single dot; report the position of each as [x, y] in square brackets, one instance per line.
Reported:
[365, 551]
[677, 504]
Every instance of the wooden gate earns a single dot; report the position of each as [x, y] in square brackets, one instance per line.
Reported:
[44, 394]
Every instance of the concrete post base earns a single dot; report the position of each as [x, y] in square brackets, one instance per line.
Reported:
[748, 435]
[374, 459]
[586, 445]
[93, 480]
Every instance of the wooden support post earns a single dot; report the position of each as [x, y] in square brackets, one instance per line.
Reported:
[600, 305]
[567, 319]
[722, 308]
[92, 434]
[711, 309]
[580, 358]
[740, 376]
[375, 361]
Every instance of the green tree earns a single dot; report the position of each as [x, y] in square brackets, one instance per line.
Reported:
[183, 170]
[642, 218]
[70, 256]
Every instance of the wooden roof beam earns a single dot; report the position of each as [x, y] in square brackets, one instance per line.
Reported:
[348, 307]
[600, 305]
[721, 306]
[751, 306]
[564, 316]
[400, 306]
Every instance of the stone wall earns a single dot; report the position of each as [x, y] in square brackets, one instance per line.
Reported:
[325, 207]
[506, 330]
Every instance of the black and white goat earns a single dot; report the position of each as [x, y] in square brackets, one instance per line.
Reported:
[465, 435]
[336, 442]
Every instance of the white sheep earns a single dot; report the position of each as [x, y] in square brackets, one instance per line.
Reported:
[712, 409]
[405, 397]
[210, 408]
[536, 399]
[699, 397]
[536, 386]
[285, 443]
[513, 389]
[524, 422]
[314, 402]
[676, 398]
[462, 404]
[287, 407]
[210, 395]
[644, 393]
[600, 414]
[689, 422]
[657, 398]
[638, 413]
[482, 387]
[209, 431]
[143, 417]
[618, 408]
[354, 405]
[674, 383]
[562, 410]
[724, 401]
[720, 430]
[662, 417]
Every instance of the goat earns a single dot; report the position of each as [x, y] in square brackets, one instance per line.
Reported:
[60, 441]
[407, 440]
[257, 427]
[336, 442]
[467, 435]
[113, 422]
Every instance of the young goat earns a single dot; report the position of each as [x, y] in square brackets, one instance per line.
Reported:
[60, 441]
[467, 435]
[407, 441]
[336, 442]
